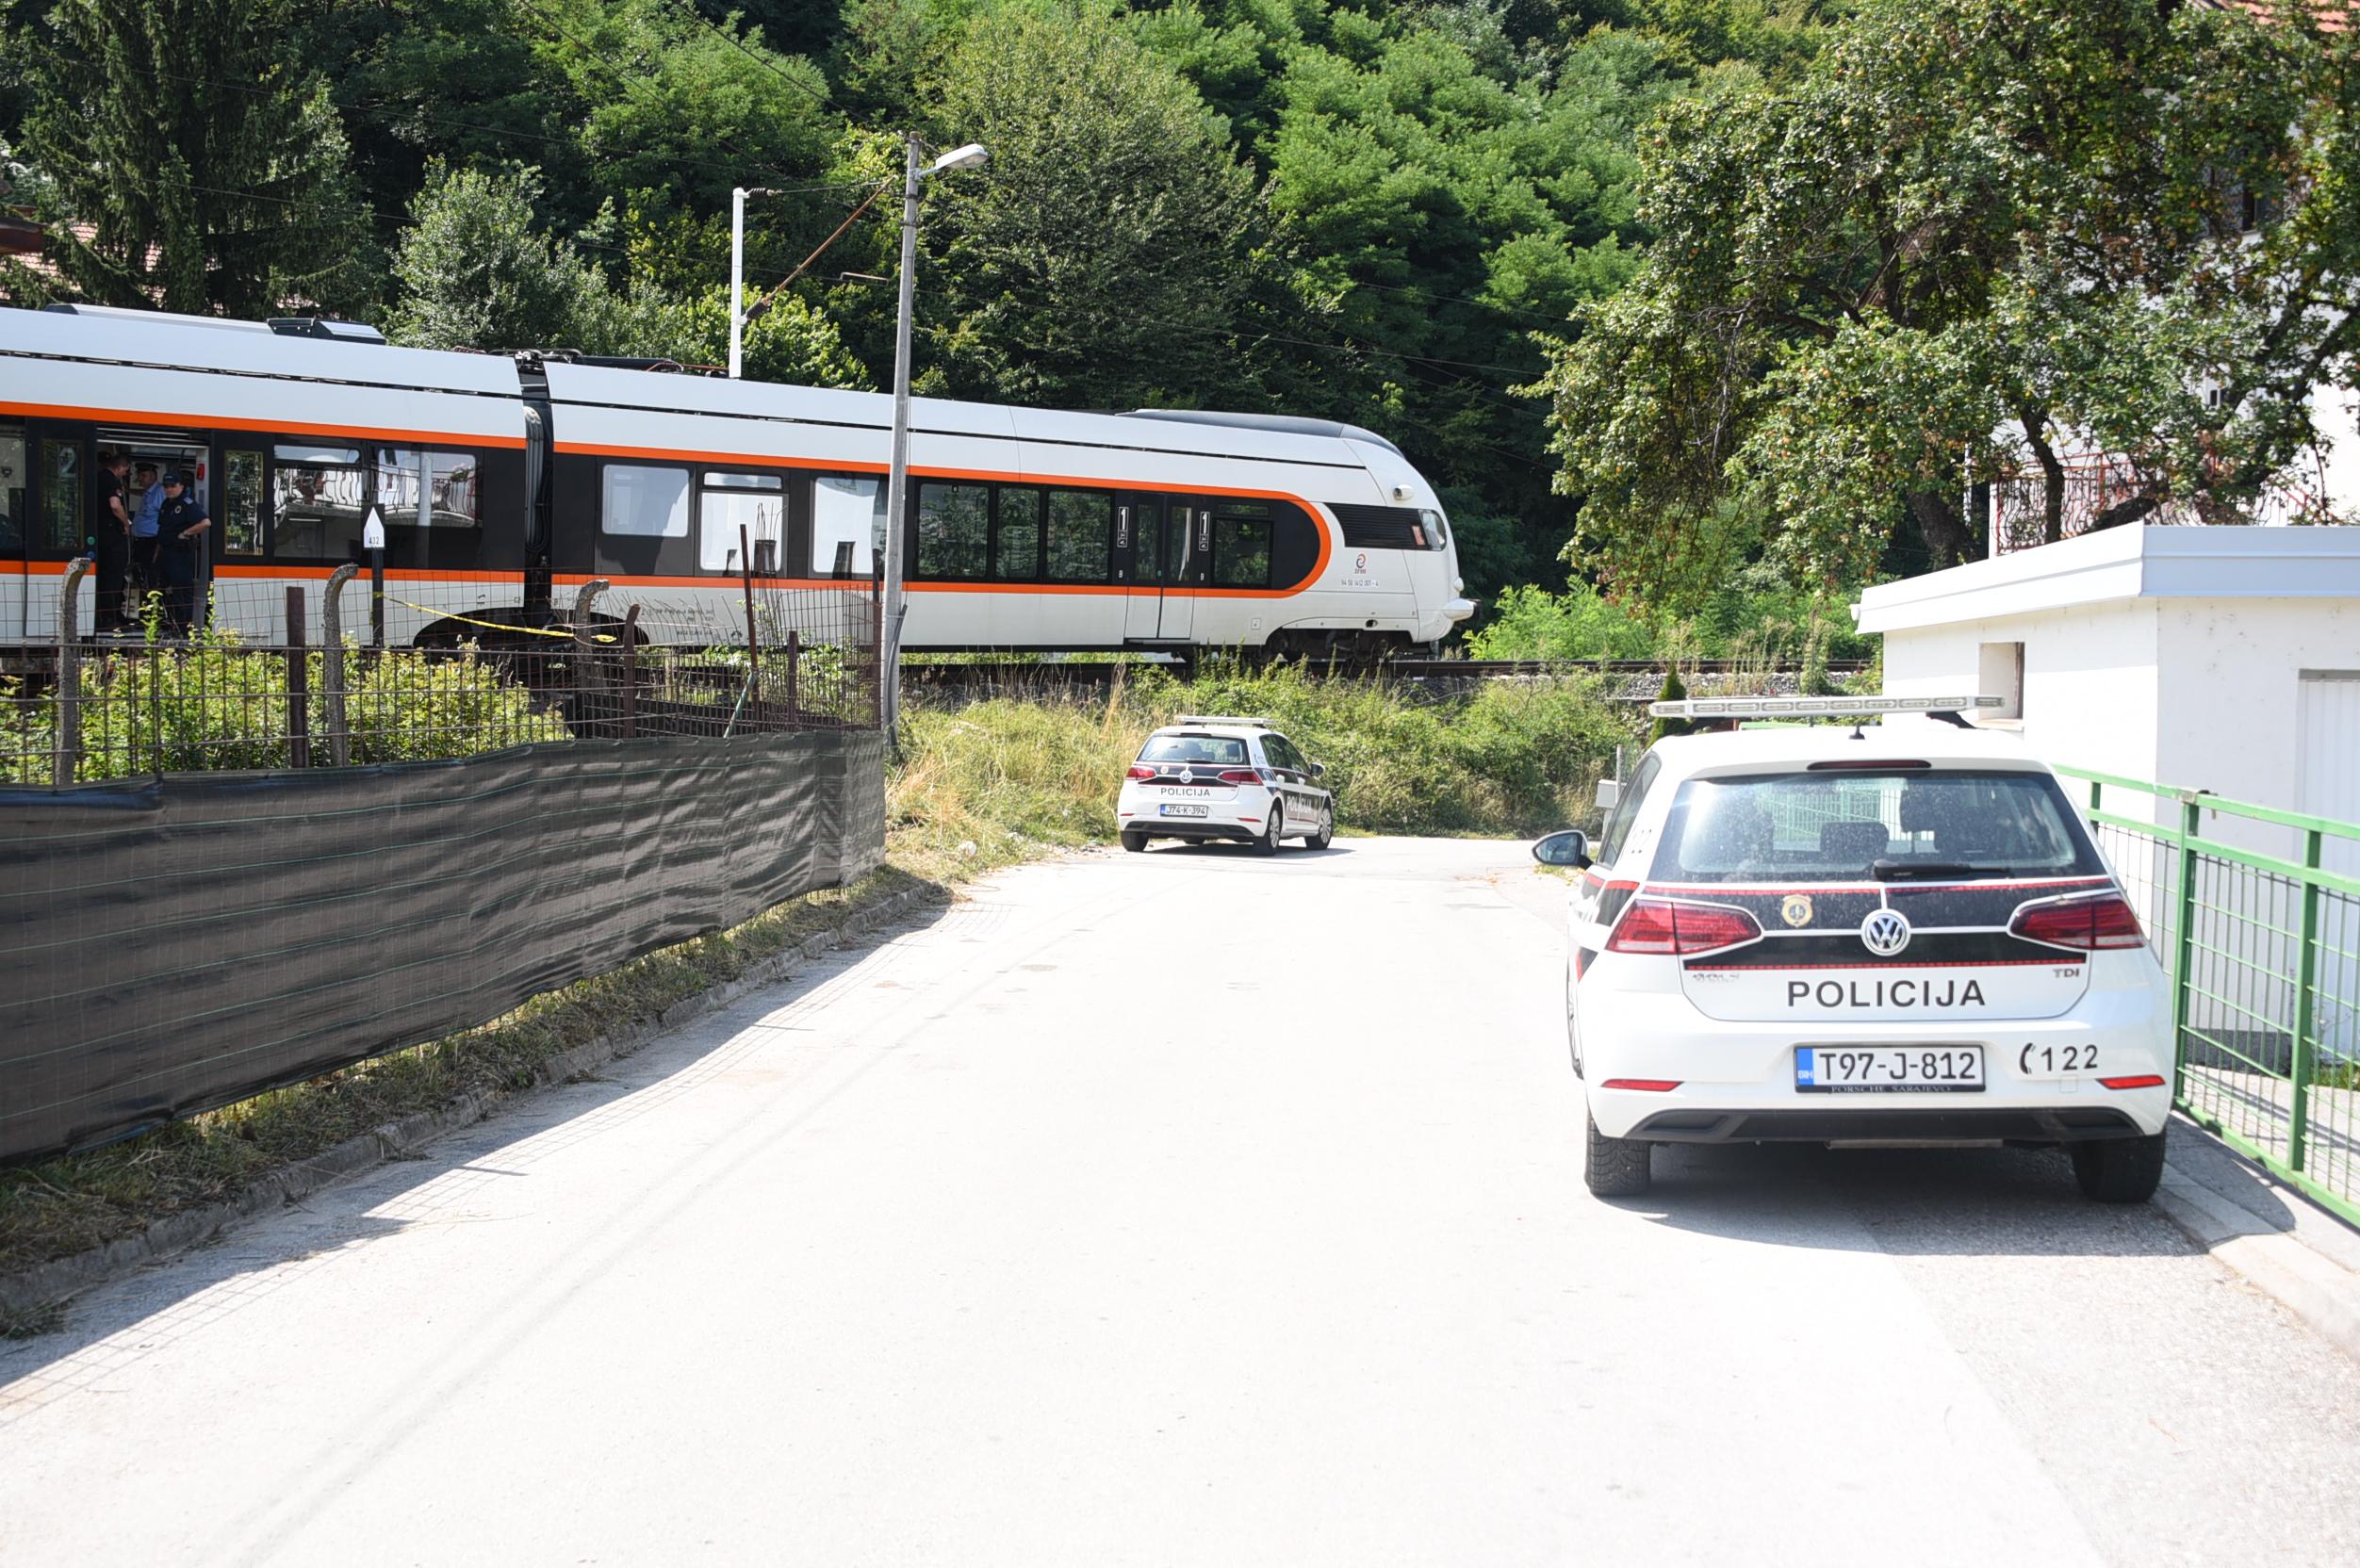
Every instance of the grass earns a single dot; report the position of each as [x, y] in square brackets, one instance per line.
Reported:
[978, 789]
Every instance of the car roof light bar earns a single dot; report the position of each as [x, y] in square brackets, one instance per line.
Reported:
[1222, 718]
[1845, 708]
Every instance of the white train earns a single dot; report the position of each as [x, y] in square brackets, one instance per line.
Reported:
[506, 482]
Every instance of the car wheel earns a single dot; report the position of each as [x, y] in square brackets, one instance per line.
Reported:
[1268, 843]
[1134, 842]
[1614, 1168]
[2119, 1171]
[1326, 833]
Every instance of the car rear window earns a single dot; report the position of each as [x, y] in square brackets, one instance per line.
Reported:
[1222, 750]
[1852, 825]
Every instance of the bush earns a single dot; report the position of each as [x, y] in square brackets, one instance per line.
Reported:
[1517, 756]
[216, 705]
[1749, 620]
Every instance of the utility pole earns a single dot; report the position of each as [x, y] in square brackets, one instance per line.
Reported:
[898, 469]
[737, 275]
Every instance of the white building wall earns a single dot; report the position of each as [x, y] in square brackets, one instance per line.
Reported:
[2090, 693]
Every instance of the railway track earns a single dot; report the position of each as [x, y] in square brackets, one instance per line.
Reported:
[1635, 677]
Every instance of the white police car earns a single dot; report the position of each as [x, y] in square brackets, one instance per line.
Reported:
[1223, 778]
[1897, 932]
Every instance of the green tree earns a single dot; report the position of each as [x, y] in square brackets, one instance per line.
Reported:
[1108, 252]
[189, 159]
[1971, 234]
[475, 271]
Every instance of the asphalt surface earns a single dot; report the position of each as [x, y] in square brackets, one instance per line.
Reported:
[1185, 1208]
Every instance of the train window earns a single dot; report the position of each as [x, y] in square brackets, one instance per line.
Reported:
[1428, 530]
[754, 503]
[241, 513]
[317, 510]
[1241, 552]
[340, 457]
[15, 489]
[954, 529]
[848, 523]
[1016, 542]
[427, 489]
[61, 494]
[1078, 535]
[643, 503]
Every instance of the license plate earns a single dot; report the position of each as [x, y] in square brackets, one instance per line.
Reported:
[1888, 1069]
[1180, 810]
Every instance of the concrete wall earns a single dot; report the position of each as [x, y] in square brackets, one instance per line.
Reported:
[2091, 678]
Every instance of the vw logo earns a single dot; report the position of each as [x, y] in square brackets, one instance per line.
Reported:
[1188, 777]
[1885, 933]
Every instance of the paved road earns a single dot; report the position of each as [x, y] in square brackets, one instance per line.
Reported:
[1180, 1209]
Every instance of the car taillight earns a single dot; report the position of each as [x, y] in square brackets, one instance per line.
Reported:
[1665, 926]
[1140, 770]
[1240, 776]
[2085, 923]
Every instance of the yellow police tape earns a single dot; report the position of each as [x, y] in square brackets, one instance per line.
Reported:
[495, 625]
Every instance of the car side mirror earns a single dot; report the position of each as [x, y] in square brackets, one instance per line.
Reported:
[1568, 848]
[1609, 795]
[1319, 769]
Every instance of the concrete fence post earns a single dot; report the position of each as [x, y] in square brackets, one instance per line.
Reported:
[69, 674]
[332, 665]
[587, 676]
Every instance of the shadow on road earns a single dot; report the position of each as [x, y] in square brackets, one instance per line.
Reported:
[261, 1255]
[1967, 1202]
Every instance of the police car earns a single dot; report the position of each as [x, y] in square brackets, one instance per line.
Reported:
[1223, 777]
[1892, 932]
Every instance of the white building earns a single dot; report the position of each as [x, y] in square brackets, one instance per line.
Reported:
[2220, 659]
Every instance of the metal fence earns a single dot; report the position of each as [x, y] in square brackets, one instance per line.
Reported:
[2255, 914]
[328, 689]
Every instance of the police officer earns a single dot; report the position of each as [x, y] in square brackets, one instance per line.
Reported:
[180, 526]
[109, 541]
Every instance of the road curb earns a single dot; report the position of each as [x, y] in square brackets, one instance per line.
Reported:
[49, 1285]
[2315, 1289]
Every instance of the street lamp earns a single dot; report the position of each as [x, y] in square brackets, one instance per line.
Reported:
[737, 273]
[897, 474]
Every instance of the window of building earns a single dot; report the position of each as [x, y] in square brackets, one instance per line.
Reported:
[647, 503]
[2001, 673]
[848, 524]
[422, 489]
[739, 513]
[1078, 521]
[241, 506]
[953, 529]
[1241, 552]
[1016, 542]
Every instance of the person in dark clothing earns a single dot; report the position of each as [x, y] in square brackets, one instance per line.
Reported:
[180, 526]
[109, 542]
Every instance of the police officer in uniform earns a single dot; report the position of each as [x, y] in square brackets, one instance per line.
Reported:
[180, 528]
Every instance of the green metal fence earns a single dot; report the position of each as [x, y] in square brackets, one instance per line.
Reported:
[2255, 914]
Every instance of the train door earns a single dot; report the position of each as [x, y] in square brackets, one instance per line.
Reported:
[1186, 543]
[1139, 554]
[16, 527]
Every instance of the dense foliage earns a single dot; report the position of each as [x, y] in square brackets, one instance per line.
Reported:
[1970, 235]
[1788, 272]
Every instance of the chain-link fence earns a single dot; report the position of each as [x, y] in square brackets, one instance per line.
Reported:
[2255, 914]
[331, 672]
